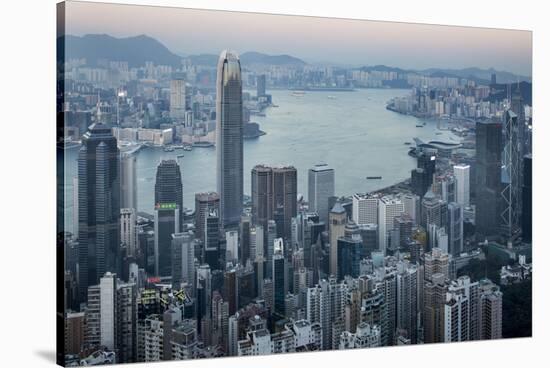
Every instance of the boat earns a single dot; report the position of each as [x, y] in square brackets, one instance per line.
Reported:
[419, 126]
[331, 97]
[188, 148]
[374, 177]
[407, 143]
[168, 149]
[180, 156]
[179, 146]
[274, 105]
[203, 144]
[298, 93]
[438, 133]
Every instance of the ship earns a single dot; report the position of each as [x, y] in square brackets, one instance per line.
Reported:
[374, 177]
[419, 126]
[298, 93]
[168, 149]
[203, 144]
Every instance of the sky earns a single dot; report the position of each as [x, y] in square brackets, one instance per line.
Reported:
[313, 39]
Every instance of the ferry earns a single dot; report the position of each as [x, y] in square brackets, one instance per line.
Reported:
[419, 126]
[407, 143]
[298, 93]
[168, 149]
[203, 144]
[374, 177]
[179, 146]
[180, 156]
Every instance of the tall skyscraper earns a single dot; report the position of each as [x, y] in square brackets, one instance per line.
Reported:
[512, 173]
[167, 222]
[168, 186]
[320, 189]
[527, 192]
[98, 206]
[388, 208]
[456, 228]
[350, 251]
[488, 176]
[128, 230]
[274, 197]
[337, 222]
[128, 180]
[365, 209]
[229, 137]
[280, 278]
[490, 318]
[260, 85]
[177, 98]
[183, 259]
[204, 204]
[462, 175]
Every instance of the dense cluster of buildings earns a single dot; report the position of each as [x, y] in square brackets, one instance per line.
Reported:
[278, 274]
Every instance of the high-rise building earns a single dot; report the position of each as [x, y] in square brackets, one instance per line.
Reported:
[388, 208]
[320, 189]
[512, 172]
[407, 300]
[229, 137]
[365, 209]
[527, 206]
[411, 204]
[177, 98]
[350, 251]
[128, 180]
[434, 295]
[98, 207]
[280, 278]
[337, 223]
[244, 233]
[436, 262]
[462, 311]
[462, 175]
[488, 176]
[205, 203]
[183, 258]
[168, 186]
[211, 246]
[232, 245]
[490, 310]
[128, 230]
[402, 226]
[274, 197]
[167, 222]
[260, 85]
[456, 228]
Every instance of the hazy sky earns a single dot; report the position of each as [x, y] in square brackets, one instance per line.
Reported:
[339, 41]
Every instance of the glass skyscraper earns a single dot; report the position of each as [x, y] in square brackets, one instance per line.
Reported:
[98, 206]
[229, 137]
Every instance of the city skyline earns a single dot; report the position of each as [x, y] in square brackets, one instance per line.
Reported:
[357, 42]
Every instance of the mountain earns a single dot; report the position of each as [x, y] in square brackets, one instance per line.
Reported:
[249, 58]
[478, 74]
[135, 50]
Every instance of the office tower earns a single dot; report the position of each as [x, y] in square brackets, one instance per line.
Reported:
[260, 85]
[512, 173]
[434, 211]
[420, 181]
[211, 245]
[388, 208]
[527, 192]
[232, 245]
[426, 162]
[269, 247]
[274, 197]
[128, 230]
[365, 208]
[320, 189]
[402, 226]
[204, 204]
[128, 180]
[490, 310]
[445, 186]
[177, 98]
[246, 285]
[337, 223]
[183, 258]
[126, 322]
[168, 186]
[462, 175]
[262, 194]
[229, 137]
[488, 176]
[411, 205]
[407, 300]
[98, 206]
[280, 278]
[167, 222]
[436, 262]
[244, 233]
[230, 293]
[369, 234]
[350, 251]
[456, 228]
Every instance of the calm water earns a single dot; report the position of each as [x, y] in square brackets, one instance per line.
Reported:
[353, 133]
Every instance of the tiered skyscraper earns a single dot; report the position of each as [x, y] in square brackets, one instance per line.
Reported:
[229, 137]
[98, 206]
